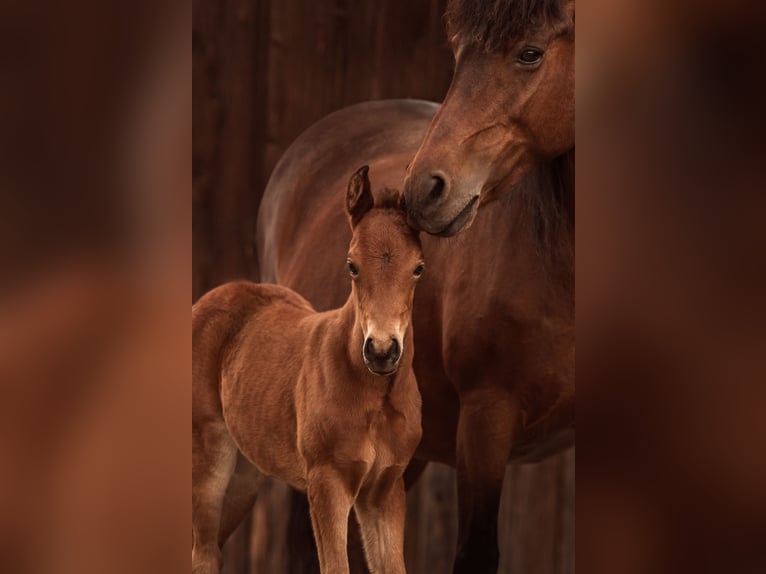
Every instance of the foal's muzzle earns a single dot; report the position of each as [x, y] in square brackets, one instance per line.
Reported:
[382, 359]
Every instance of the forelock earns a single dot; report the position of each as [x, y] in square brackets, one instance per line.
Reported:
[493, 25]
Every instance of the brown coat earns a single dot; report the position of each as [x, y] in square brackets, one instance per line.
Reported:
[281, 390]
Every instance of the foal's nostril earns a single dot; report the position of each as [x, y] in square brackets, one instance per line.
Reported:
[368, 351]
[394, 351]
[437, 187]
[383, 359]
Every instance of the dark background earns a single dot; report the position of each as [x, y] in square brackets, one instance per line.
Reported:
[264, 71]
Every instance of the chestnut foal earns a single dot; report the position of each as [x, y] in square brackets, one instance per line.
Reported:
[324, 401]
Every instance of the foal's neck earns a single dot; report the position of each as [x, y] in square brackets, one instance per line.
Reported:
[350, 336]
[352, 339]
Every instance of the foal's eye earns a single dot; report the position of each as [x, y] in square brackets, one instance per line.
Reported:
[529, 56]
[352, 269]
[419, 270]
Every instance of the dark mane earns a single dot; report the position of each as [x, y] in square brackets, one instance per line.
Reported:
[547, 209]
[494, 24]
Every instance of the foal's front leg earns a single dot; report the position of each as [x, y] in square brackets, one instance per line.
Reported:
[330, 499]
[381, 513]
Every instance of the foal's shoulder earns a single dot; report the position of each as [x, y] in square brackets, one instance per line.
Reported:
[249, 296]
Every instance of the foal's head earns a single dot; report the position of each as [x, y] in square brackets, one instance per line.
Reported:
[385, 261]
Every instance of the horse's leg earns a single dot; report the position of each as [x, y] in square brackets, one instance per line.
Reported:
[381, 518]
[213, 461]
[484, 436]
[330, 502]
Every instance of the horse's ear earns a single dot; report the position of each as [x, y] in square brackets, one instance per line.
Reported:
[359, 196]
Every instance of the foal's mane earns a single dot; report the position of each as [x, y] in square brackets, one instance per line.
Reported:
[493, 24]
[388, 198]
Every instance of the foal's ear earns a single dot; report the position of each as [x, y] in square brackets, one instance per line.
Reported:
[359, 196]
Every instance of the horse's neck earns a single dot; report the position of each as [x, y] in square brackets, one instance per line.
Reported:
[568, 179]
[530, 231]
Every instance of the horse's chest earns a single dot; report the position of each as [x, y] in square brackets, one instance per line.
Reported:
[502, 339]
[520, 348]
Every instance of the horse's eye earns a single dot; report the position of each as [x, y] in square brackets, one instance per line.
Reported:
[352, 269]
[419, 270]
[530, 56]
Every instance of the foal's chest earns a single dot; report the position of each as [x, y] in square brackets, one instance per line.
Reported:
[391, 435]
[378, 437]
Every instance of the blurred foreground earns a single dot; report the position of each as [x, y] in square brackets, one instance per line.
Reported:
[671, 272]
[94, 299]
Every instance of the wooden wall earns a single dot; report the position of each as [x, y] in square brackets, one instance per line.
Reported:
[263, 71]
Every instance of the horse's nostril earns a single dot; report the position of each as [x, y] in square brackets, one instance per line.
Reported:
[437, 187]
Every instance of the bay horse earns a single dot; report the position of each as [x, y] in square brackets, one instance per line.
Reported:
[494, 318]
[327, 402]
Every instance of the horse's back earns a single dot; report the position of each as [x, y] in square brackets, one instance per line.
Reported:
[303, 201]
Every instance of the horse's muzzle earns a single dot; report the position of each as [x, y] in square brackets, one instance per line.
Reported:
[423, 196]
[434, 208]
